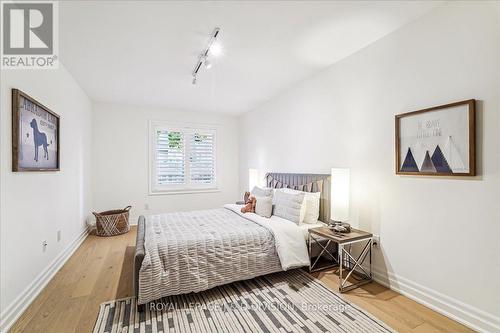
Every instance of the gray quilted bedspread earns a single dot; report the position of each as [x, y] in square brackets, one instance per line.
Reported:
[197, 250]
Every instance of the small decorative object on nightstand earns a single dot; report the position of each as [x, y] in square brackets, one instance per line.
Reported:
[340, 227]
[345, 260]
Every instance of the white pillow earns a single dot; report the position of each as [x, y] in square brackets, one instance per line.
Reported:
[312, 207]
[264, 206]
[311, 204]
[261, 192]
[289, 206]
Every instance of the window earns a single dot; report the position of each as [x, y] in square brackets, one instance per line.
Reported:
[183, 158]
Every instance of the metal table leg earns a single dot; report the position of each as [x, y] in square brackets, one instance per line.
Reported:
[324, 249]
[366, 276]
[341, 261]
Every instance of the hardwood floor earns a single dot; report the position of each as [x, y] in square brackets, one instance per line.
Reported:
[101, 270]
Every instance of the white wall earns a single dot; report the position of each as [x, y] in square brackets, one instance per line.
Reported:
[441, 233]
[34, 205]
[120, 173]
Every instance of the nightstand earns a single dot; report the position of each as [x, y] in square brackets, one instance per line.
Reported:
[344, 259]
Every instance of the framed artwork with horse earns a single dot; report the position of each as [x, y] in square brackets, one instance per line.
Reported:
[35, 135]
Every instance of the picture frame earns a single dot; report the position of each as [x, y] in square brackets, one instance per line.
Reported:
[437, 141]
[35, 135]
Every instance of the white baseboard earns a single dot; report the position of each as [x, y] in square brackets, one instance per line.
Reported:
[461, 312]
[19, 305]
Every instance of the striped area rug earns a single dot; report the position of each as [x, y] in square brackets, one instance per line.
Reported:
[292, 301]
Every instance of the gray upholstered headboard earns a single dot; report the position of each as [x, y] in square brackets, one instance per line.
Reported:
[305, 182]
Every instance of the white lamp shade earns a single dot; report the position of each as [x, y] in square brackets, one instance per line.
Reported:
[339, 203]
[253, 178]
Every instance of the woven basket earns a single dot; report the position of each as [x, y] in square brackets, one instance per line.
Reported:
[112, 222]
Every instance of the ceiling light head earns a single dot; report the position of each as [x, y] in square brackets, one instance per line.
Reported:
[215, 49]
[208, 64]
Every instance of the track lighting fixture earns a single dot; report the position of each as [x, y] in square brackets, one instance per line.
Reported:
[213, 49]
[208, 64]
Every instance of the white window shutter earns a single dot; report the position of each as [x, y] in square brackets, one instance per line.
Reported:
[184, 158]
[202, 157]
[170, 157]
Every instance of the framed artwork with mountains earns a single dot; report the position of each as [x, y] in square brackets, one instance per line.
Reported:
[438, 141]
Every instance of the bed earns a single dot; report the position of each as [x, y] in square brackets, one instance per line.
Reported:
[184, 252]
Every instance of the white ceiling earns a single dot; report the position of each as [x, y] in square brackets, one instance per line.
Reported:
[143, 52]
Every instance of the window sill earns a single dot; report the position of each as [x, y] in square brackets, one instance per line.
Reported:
[193, 191]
